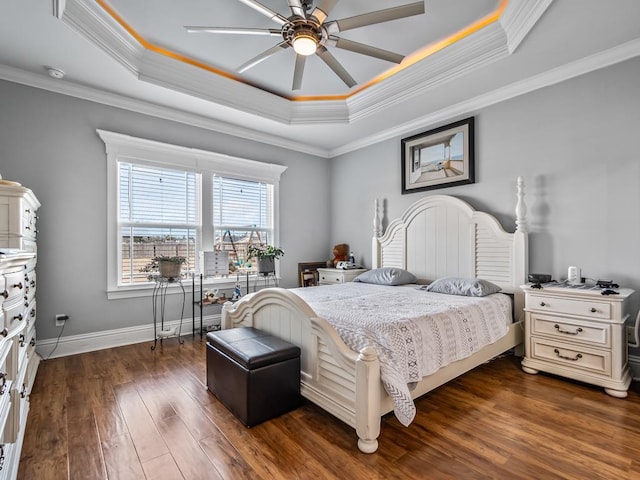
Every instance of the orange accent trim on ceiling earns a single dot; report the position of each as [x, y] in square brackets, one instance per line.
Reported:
[409, 60]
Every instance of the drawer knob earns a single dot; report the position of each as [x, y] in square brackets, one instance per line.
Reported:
[18, 285]
[23, 392]
[32, 342]
[5, 294]
[4, 332]
[560, 330]
[593, 310]
[573, 359]
[542, 304]
[21, 339]
[3, 387]
[18, 317]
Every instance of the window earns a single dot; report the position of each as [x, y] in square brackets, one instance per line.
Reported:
[177, 201]
[242, 215]
[159, 212]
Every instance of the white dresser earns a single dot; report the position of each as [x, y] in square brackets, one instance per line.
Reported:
[18, 358]
[579, 334]
[330, 276]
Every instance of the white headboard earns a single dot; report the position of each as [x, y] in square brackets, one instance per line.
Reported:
[440, 236]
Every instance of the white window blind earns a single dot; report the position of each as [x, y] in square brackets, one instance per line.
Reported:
[242, 215]
[158, 216]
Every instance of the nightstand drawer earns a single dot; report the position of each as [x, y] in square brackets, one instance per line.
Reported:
[573, 356]
[584, 308]
[598, 334]
[331, 278]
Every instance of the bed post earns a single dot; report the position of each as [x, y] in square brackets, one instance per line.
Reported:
[377, 233]
[520, 251]
[368, 400]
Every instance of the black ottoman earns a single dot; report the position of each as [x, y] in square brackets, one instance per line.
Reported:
[253, 373]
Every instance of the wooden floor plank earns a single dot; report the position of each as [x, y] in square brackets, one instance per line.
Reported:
[85, 452]
[162, 468]
[147, 440]
[130, 412]
[226, 459]
[120, 459]
[190, 458]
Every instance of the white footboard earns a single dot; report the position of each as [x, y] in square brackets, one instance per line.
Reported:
[344, 383]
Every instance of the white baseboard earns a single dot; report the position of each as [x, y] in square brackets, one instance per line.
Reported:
[634, 364]
[89, 342]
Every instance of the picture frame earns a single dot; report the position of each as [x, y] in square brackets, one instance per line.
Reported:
[438, 158]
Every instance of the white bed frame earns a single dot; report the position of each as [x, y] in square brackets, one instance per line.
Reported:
[437, 236]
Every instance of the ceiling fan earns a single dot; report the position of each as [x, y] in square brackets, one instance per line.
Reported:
[307, 32]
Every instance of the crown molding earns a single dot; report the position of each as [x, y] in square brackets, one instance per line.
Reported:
[91, 94]
[459, 59]
[577, 68]
[91, 21]
[518, 19]
[166, 72]
[485, 46]
[588, 64]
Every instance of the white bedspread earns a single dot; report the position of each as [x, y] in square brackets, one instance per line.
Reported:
[414, 332]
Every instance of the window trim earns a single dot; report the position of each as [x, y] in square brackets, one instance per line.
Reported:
[120, 147]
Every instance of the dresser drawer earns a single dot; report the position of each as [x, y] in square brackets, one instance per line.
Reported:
[14, 316]
[586, 359]
[598, 334]
[585, 308]
[14, 285]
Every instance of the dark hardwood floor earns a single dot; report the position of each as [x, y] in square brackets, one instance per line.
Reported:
[130, 412]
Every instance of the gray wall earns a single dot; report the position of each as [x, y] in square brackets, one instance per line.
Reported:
[574, 144]
[48, 142]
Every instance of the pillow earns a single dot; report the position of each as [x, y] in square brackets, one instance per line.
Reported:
[386, 276]
[468, 287]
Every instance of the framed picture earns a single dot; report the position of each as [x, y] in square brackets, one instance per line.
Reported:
[442, 157]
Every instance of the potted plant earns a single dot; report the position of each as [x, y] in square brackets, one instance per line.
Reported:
[265, 255]
[167, 266]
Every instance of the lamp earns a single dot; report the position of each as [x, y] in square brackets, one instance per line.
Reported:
[304, 42]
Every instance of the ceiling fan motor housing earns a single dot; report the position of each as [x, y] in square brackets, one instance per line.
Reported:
[299, 27]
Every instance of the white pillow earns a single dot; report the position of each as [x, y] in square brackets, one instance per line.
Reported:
[386, 276]
[468, 287]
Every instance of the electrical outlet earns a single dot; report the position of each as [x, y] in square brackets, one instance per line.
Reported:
[61, 318]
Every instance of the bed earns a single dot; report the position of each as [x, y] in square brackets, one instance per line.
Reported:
[438, 236]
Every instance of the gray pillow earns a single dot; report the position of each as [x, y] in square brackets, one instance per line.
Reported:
[468, 287]
[386, 276]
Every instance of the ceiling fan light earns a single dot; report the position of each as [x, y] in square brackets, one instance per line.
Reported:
[304, 44]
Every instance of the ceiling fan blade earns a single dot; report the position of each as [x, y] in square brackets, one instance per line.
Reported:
[275, 16]
[297, 9]
[263, 56]
[239, 30]
[365, 49]
[334, 65]
[298, 71]
[379, 16]
[321, 12]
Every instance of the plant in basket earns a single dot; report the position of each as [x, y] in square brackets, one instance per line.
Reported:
[265, 255]
[165, 266]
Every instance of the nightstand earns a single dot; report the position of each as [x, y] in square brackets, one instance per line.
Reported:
[330, 276]
[579, 334]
